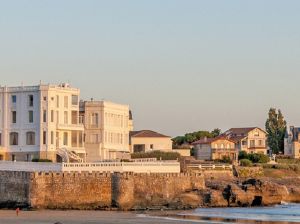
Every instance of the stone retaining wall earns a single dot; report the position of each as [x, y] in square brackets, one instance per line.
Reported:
[93, 190]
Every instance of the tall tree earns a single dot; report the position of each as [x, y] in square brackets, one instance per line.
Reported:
[276, 128]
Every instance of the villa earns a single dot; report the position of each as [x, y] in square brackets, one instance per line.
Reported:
[292, 142]
[40, 122]
[147, 140]
[215, 148]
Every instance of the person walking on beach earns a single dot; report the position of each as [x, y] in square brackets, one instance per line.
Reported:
[17, 211]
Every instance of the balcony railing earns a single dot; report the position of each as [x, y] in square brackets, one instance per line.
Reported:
[78, 127]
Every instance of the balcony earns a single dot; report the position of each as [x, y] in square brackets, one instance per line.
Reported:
[70, 127]
[220, 150]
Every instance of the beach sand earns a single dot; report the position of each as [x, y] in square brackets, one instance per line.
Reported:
[78, 217]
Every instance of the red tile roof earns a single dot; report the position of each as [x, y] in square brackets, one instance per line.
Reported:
[147, 134]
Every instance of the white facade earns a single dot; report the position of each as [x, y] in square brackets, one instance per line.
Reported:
[107, 127]
[36, 120]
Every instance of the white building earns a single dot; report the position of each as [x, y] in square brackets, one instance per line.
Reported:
[107, 127]
[37, 121]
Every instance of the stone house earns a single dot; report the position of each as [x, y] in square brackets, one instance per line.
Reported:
[292, 142]
[215, 148]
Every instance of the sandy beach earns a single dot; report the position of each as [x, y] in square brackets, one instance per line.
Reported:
[77, 217]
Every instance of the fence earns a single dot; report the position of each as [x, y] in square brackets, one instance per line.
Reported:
[210, 166]
[135, 167]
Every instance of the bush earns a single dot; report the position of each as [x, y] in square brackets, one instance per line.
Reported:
[254, 158]
[226, 159]
[42, 160]
[156, 154]
[243, 155]
[245, 162]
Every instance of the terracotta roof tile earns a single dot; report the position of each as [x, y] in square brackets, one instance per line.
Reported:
[147, 134]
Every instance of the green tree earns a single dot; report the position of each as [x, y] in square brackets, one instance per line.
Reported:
[276, 128]
[216, 132]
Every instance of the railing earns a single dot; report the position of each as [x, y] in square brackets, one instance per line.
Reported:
[30, 166]
[135, 167]
[210, 166]
[70, 126]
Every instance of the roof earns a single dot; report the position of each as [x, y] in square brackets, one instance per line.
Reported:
[210, 140]
[147, 134]
[239, 131]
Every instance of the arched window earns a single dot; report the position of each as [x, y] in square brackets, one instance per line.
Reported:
[30, 138]
[13, 138]
[222, 146]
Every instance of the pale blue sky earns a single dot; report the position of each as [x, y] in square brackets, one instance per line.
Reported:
[181, 65]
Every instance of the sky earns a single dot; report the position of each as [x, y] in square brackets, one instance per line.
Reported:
[181, 65]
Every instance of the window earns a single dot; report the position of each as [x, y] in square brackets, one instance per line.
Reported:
[94, 138]
[0, 139]
[94, 119]
[66, 117]
[57, 101]
[252, 143]
[74, 117]
[57, 117]
[57, 139]
[45, 98]
[30, 138]
[65, 138]
[13, 98]
[52, 137]
[13, 138]
[13, 157]
[260, 142]
[74, 100]
[244, 143]
[52, 116]
[222, 146]
[44, 116]
[66, 103]
[151, 146]
[14, 117]
[74, 138]
[216, 146]
[44, 137]
[30, 116]
[256, 133]
[30, 100]
[228, 146]
[80, 139]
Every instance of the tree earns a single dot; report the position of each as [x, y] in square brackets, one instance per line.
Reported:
[276, 128]
[188, 138]
[216, 132]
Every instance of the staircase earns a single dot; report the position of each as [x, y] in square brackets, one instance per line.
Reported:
[68, 155]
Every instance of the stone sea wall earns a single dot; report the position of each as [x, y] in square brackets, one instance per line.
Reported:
[94, 190]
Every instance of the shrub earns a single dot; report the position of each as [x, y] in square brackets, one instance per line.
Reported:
[245, 162]
[243, 155]
[156, 154]
[226, 159]
[42, 160]
[254, 158]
